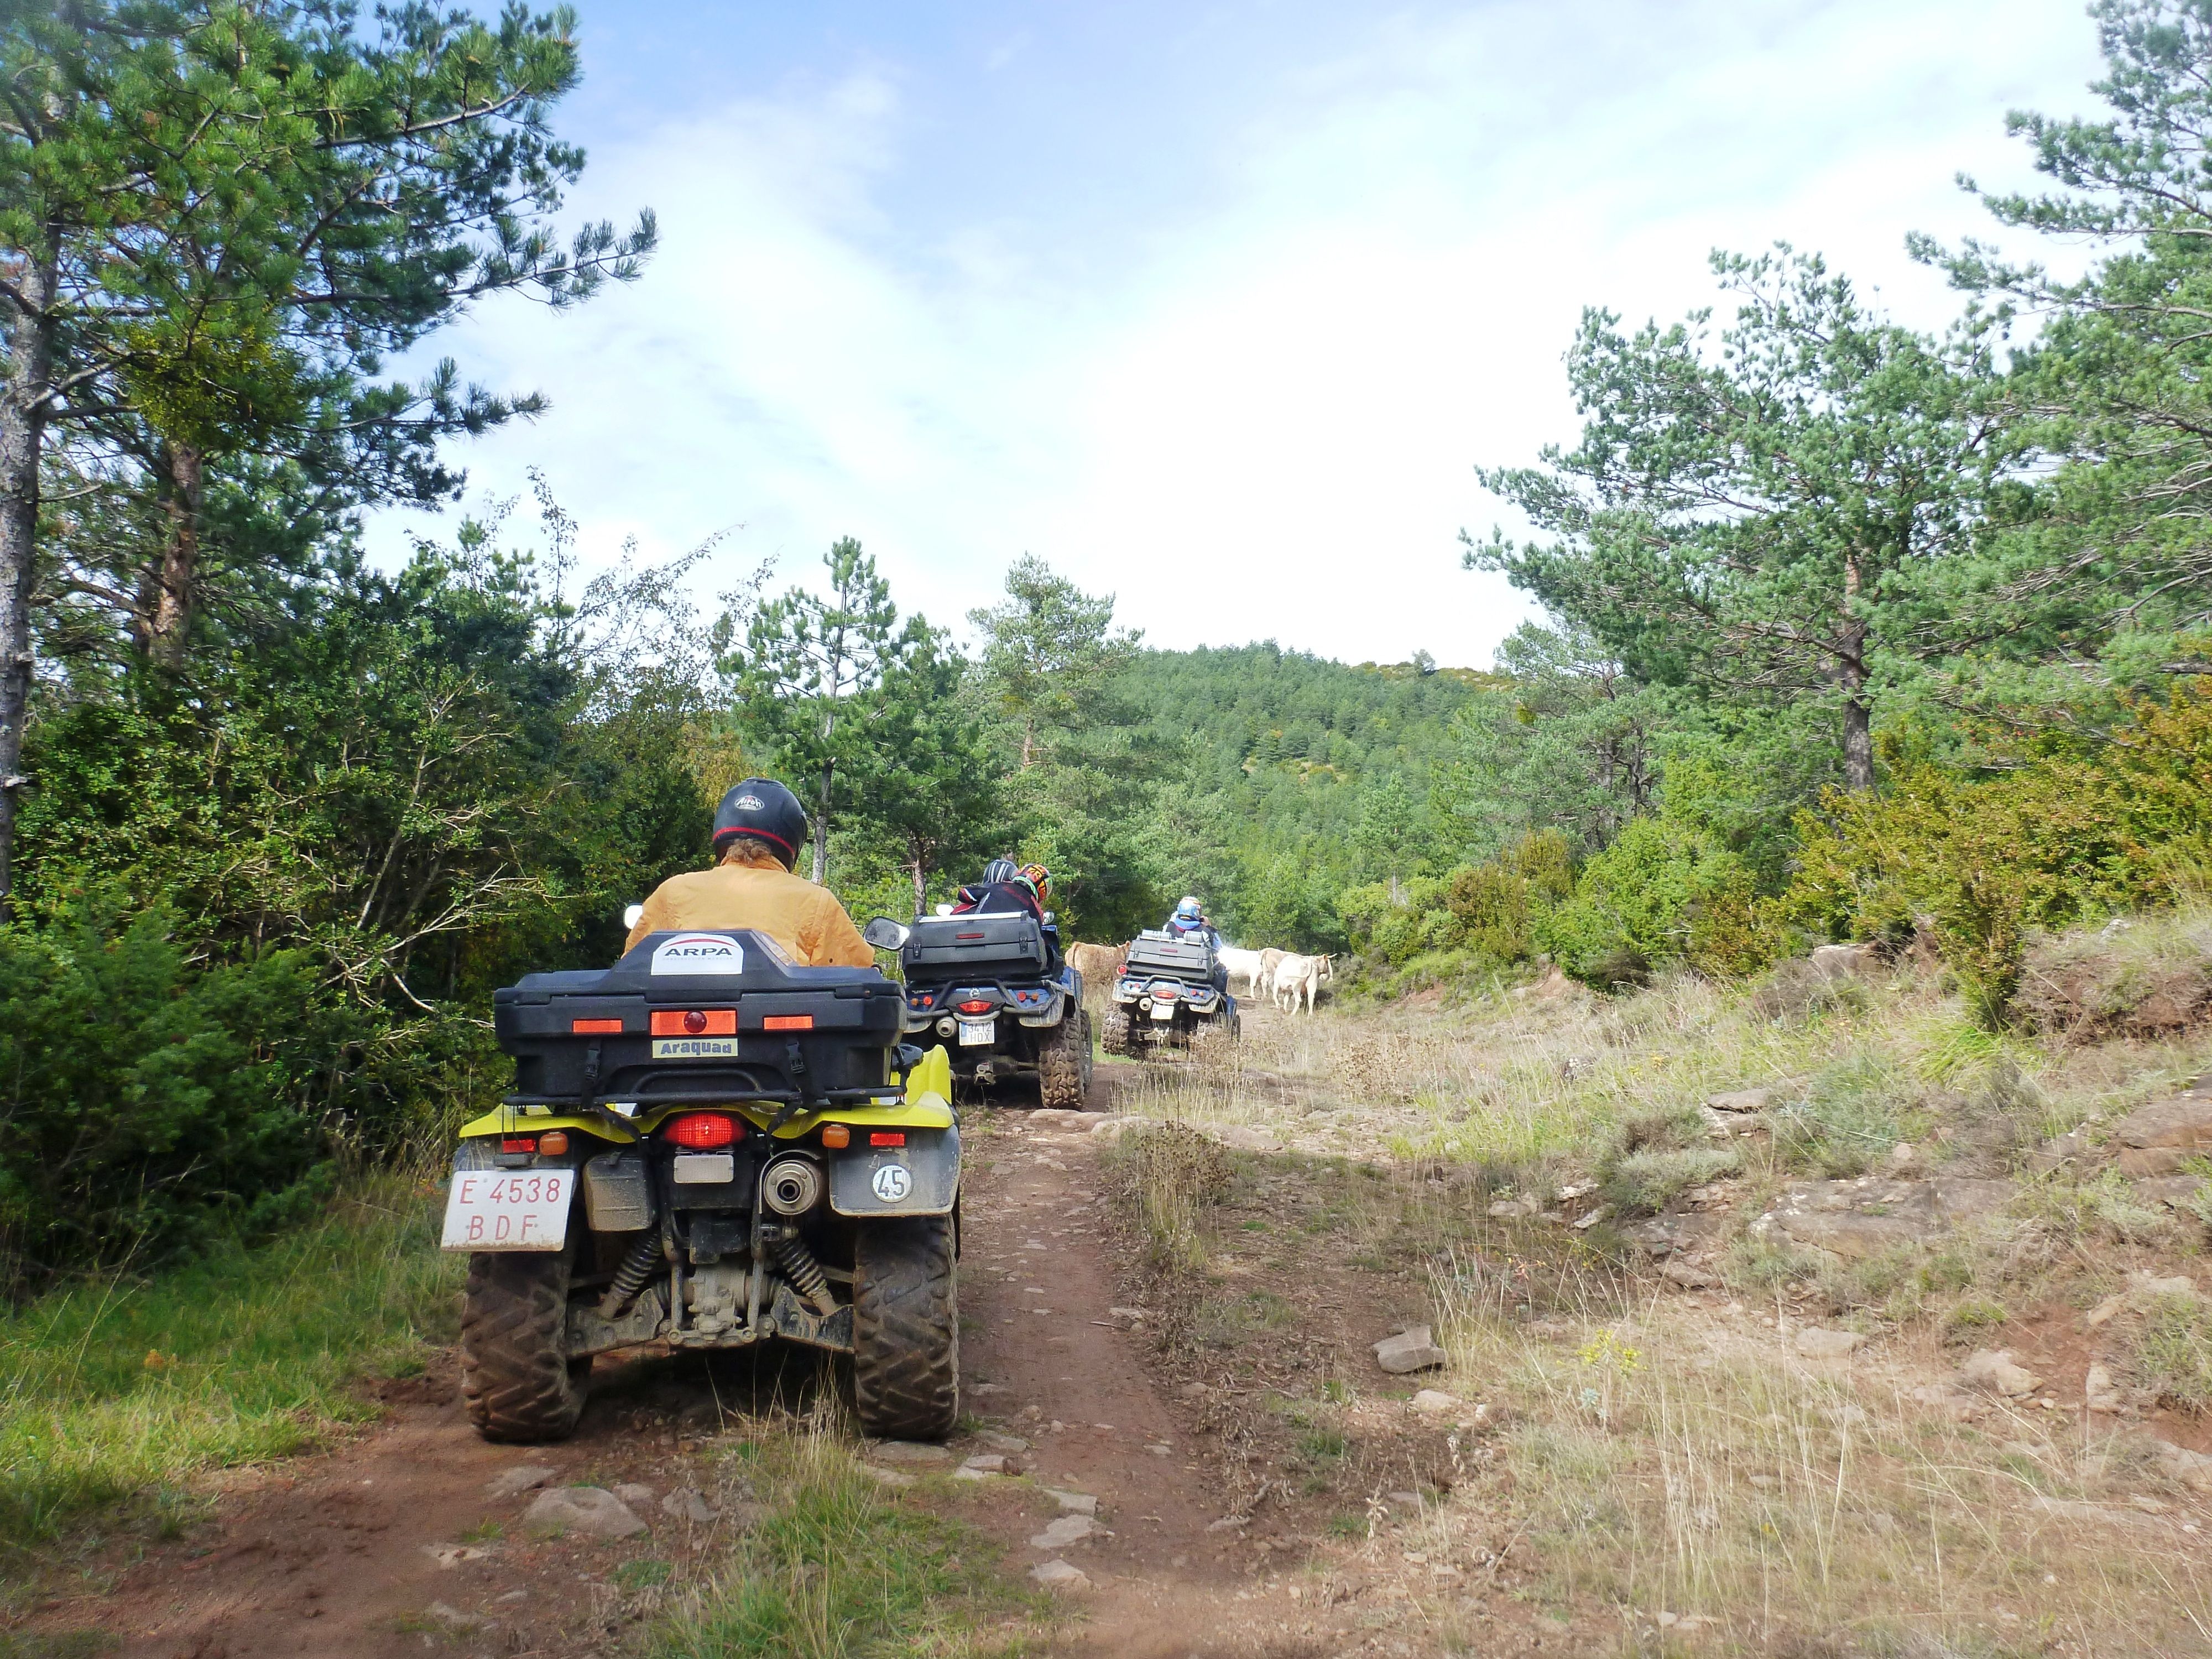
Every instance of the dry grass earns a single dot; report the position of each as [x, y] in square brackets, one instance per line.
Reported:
[1673, 1456]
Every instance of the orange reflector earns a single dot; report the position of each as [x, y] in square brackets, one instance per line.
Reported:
[518, 1144]
[834, 1135]
[886, 1137]
[701, 1129]
[788, 1022]
[553, 1142]
[695, 1022]
[595, 1026]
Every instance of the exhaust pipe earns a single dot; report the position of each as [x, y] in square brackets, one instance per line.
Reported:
[792, 1186]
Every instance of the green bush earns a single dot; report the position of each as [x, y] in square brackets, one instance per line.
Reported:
[147, 1105]
[2050, 835]
[1662, 892]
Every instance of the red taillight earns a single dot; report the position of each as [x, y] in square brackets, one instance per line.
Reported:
[695, 1022]
[788, 1022]
[886, 1137]
[975, 1005]
[595, 1027]
[518, 1144]
[698, 1129]
[977, 935]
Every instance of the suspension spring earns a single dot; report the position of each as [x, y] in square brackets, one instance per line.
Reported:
[630, 1279]
[804, 1271]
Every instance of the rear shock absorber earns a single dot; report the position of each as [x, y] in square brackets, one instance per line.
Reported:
[636, 1268]
[804, 1271]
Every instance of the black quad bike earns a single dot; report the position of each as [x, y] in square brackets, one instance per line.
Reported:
[985, 987]
[1169, 993]
[708, 1147]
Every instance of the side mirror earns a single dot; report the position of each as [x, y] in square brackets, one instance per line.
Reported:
[884, 934]
[1050, 920]
[630, 914]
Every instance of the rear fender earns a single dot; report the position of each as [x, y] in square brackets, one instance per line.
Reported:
[919, 1178]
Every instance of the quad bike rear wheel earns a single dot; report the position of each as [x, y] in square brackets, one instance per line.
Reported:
[1118, 1034]
[1064, 1063]
[516, 1380]
[906, 1329]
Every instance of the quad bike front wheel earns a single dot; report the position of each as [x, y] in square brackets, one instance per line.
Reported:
[1064, 1064]
[906, 1329]
[516, 1380]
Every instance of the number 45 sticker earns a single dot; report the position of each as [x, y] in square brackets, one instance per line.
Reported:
[892, 1183]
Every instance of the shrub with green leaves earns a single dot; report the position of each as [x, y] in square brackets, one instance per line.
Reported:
[1850, 1118]
[1663, 891]
[147, 1105]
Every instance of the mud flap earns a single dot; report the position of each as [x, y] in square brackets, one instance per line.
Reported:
[921, 1177]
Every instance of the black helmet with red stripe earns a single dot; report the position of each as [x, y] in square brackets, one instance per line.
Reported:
[765, 810]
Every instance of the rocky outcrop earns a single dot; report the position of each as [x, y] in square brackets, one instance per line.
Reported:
[2159, 1139]
[1864, 1217]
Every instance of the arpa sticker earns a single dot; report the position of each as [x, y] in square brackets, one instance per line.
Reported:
[892, 1183]
[699, 953]
[749, 804]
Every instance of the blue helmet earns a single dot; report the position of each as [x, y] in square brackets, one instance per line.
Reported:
[1190, 910]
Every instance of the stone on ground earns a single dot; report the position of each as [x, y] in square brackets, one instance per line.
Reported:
[686, 1504]
[1073, 1503]
[1816, 1343]
[1068, 1529]
[2159, 1139]
[1875, 1213]
[1002, 1443]
[636, 1493]
[1413, 1349]
[591, 1511]
[1992, 1371]
[2099, 1393]
[888, 1477]
[511, 1483]
[1060, 1575]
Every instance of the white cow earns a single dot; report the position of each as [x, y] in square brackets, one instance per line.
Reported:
[1247, 963]
[1294, 975]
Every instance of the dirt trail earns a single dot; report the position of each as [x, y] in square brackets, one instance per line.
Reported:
[393, 1543]
[1047, 1358]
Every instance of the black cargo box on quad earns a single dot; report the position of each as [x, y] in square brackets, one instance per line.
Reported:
[1159, 957]
[956, 947]
[792, 1034]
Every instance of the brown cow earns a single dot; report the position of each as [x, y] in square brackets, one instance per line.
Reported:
[1099, 964]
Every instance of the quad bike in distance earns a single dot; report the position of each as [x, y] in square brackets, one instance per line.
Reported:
[1168, 995]
[710, 1148]
[984, 985]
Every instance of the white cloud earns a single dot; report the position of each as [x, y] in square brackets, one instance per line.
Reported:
[1252, 410]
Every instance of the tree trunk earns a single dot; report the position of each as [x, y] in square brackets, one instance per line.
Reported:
[822, 828]
[23, 412]
[1858, 720]
[920, 884]
[169, 627]
[1858, 744]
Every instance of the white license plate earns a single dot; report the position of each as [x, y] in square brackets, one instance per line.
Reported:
[508, 1209]
[705, 1169]
[974, 1031]
[1163, 1011]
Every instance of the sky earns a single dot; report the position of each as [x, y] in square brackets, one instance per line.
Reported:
[1214, 307]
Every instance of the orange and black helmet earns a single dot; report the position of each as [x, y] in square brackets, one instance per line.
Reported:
[1040, 880]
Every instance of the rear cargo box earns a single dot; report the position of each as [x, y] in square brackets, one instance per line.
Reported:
[1177, 958]
[955, 947]
[695, 1017]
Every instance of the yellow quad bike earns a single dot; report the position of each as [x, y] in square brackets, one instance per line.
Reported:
[710, 1148]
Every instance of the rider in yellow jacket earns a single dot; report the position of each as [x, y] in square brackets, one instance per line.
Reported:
[758, 830]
